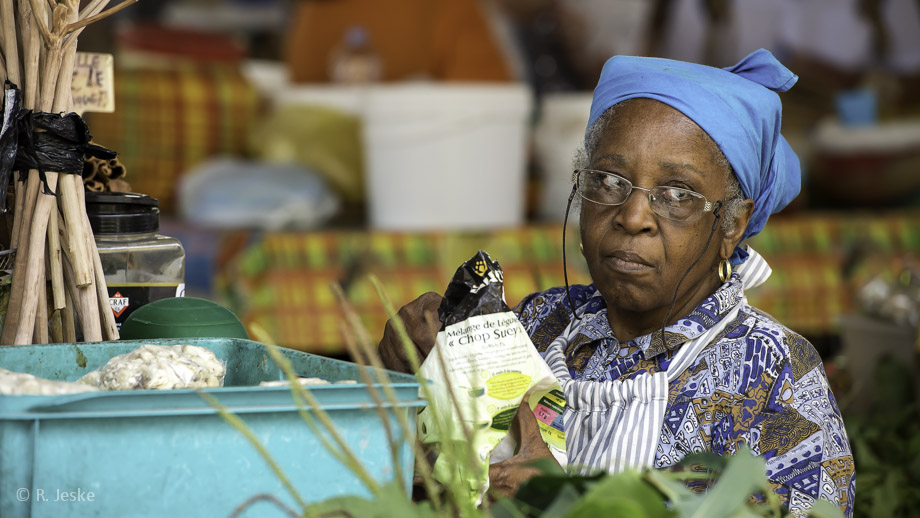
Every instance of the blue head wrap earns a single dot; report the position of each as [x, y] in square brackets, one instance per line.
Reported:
[736, 106]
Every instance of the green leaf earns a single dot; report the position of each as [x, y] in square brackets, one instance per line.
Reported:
[863, 454]
[748, 512]
[915, 445]
[609, 508]
[825, 509]
[564, 502]
[505, 508]
[541, 491]
[353, 505]
[894, 386]
[391, 501]
[684, 501]
[743, 476]
[564, 497]
[882, 502]
[627, 491]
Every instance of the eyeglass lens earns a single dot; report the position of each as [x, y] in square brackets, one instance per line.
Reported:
[668, 202]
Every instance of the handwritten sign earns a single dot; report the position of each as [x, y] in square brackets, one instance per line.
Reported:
[93, 83]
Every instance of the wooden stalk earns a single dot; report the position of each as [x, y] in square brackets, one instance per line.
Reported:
[34, 266]
[55, 328]
[25, 198]
[84, 304]
[57, 276]
[19, 195]
[109, 326]
[31, 47]
[91, 18]
[67, 319]
[26, 192]
[72, 295]
[17, 288]
[89, 311]
[30, 190]
[85, 298]
[37, 233]
[49, 72]
[40, 15]
[48, 75]
[67, 314]
[31, 52]
[10, 46]
[93, 8]
[40, 331]
[76, 220]
[63, 98]
[55, 270]
[22, 233]
[73, 224]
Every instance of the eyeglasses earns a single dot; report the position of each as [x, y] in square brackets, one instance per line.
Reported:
[672, 203]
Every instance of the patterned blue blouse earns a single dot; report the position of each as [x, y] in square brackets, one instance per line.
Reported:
[757, 383]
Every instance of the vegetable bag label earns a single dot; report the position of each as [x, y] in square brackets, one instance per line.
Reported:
[482, 364]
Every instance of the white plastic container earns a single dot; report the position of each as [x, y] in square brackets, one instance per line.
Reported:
[559, 132]
[446, 156]
[437, 155]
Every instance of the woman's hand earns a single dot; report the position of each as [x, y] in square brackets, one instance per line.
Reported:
[506, 477]
[422, 325]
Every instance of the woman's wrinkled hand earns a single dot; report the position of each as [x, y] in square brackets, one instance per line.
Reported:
[506, 477]
[422, 325]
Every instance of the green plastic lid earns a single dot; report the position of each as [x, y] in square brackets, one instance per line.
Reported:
[182, 317]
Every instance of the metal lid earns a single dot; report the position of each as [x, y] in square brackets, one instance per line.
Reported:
[122, 213]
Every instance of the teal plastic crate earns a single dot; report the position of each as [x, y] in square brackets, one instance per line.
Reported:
[149, 453]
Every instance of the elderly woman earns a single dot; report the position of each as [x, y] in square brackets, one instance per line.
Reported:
[661, 355]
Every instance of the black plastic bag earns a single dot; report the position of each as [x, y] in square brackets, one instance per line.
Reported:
[9, 135]
[475, 289]
[41, 141]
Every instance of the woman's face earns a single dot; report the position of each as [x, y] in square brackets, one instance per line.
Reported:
[636, 258]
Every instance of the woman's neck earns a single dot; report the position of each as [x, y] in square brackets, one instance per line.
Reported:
[628, 324]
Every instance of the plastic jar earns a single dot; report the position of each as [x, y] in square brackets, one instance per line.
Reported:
[140, 265]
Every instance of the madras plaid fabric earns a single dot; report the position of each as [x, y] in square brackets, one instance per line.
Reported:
[281, 280]
[167, 121]
[820, 260]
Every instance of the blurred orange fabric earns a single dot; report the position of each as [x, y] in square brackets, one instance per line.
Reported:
[448, 40]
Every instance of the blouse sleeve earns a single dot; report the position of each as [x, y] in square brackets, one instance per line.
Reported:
[802, 436]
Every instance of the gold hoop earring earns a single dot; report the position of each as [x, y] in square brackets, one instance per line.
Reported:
[725, 270]
[581, 246]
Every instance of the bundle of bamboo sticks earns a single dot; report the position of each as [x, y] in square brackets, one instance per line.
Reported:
[38, 45]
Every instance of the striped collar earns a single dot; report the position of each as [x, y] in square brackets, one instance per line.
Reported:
[594, 327]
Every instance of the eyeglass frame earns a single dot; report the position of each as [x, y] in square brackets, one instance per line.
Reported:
[707, 207]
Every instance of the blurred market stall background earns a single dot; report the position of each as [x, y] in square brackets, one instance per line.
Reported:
[296, 143]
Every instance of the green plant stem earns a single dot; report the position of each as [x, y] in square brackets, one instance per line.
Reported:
[371, 354]
[263, 498]
[397, 324]
[461, 505]
[378, 402]
[260, 334]
[473, 457]
[352, 461]
[241, 426]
